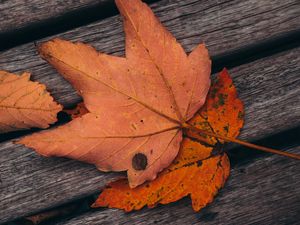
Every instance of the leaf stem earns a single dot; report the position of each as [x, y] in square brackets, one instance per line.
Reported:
[244, 143]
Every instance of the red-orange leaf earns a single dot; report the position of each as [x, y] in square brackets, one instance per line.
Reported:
[223, 111]
[199, 170]
[24, 104]
[136, 105]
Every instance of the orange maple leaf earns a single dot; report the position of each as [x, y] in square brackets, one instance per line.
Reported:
[24, 104]
[199, 170]
[137, 105]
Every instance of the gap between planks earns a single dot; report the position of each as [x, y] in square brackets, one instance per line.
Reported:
[24, 22]
[191, 22]
[185, 20]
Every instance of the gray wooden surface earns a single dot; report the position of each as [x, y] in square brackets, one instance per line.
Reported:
[263, 192]
[269, 87]
[223, 25]
[30, 183]
[17, 14]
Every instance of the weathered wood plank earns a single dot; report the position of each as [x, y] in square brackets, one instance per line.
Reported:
[47, 182]
[30, 183]
[17, 14]
[223, 25]
[263, 192]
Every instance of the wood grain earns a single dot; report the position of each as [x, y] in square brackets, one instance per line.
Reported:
[269, 88]
[263, 192]
[223, 25]
[30, 183]
[17, 14]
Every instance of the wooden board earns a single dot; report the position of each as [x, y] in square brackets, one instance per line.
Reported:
[30, 183]
[263, 192]
[25, 21]
[19, 14]
[223, 25]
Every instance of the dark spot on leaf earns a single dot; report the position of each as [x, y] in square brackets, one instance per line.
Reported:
[188, 164]
[221, 99]
[219, 164]
[216, 80]
[199, 163]
[214, 92]
[142, 121]
[240, 115]
[226, 128]
[139, 161]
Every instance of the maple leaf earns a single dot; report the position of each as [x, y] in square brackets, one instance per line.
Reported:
[24, 104]
[199, 170]
[137, 105]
